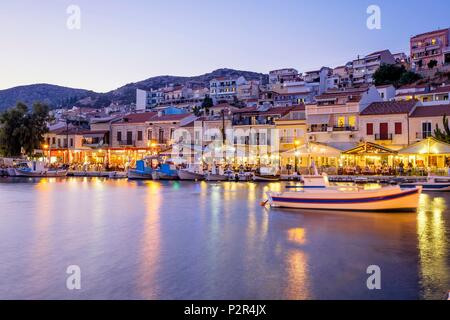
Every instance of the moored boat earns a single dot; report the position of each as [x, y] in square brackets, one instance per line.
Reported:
[36, 169]
[191, 173]
[217, 175]
[431, 184]
[316, 193]
[266, 174]
[257, 177]
[166, 171]
[141, 172]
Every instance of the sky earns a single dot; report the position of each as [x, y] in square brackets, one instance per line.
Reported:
[119, 42]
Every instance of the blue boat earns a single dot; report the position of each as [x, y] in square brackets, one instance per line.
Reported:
[142, 171]
[166, 171]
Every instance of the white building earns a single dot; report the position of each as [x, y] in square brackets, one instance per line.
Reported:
[225, 89]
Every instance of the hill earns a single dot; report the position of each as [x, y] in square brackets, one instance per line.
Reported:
[50, 94]
[57, 96]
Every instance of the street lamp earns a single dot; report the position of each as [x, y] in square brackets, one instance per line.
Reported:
[297, 153]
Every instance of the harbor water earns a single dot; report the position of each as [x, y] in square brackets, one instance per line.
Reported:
[199, 240]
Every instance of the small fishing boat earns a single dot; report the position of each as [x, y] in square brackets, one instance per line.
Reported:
[260, 178]
[192, 173]
[266, 175]
[36, 169]
[316, 193]
[217, 175]
[431, 184]
[141, 172]
[166, 171]
[117, 175]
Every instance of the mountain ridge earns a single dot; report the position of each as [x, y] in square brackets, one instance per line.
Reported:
[60, 96]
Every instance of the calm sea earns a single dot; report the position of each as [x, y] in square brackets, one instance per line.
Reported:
[186, 240]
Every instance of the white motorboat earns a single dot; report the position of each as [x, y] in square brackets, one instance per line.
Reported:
[267, 174]
[118, 175]
[36, 169]
[316, 193]
[192, 173]
[217, 175]
[431, 184]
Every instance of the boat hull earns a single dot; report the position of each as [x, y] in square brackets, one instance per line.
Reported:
[266, 178]
[163, 176]
[137, 175]
[427, 186]
[40, 174]
[216, 177]
[191, 176]
[389, 199]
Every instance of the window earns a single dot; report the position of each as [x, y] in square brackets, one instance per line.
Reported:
[149, 135]
[172, 131]
[352, 121]
[398, 128]
[53, 140]
[426, 130]
[369, 129]
[71, 142]
[341, 122]
[139, 135]
[119, 135]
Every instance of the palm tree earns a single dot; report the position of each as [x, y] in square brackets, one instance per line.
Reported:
[443, 135]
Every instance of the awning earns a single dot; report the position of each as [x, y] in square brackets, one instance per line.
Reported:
[369, 148]
[313, 149]
[318, 119]
[427, 146]
[95, 134]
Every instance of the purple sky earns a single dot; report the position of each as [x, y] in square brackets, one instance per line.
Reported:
[126, 41]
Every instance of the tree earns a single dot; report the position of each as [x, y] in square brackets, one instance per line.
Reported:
[197, 111]
[395, 75]
[432, 64]
[443, 135]
[409, 77]
[23, 130]
[207, 103]
[388, 74]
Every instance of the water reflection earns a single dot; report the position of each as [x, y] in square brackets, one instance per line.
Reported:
[432, 231]
[183, 240]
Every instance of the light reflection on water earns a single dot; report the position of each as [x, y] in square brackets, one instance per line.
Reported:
[183, 240]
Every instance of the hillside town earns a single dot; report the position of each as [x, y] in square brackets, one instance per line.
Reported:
[334, 117]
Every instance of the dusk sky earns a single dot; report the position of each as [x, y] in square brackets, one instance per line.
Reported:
[127, 41]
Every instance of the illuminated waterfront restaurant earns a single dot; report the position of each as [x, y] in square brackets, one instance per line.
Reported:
[428, 153]
[369, 154]
[301, 157]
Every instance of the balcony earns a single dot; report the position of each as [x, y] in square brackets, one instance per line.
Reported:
[287, 140]
[344, 128]
[383, 137]
[318, 129]
[423, 135]
[127, 143]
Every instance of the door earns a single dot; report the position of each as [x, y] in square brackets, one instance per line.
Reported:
[384, 131]
[129, 138]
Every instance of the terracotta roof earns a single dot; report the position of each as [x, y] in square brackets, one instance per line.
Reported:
[384, 86]
[192, 123]
[443, 89]
[431, 111]
[390, 107]
[377, 53]
[70, 131]
[169, 117]
[138, 117]
[342, 93]
[272, 111]
[430, 33]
